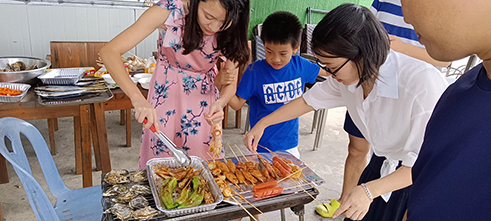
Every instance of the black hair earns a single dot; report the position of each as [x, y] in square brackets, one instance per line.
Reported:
[232, 42]
[282, 28]
[353, 32]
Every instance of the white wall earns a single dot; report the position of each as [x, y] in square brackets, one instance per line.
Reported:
[26, 30]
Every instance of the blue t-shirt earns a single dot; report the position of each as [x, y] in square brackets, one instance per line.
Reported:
[452, 175]
[267, 89]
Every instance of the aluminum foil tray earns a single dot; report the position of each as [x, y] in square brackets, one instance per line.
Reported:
[62, 76]
[156, 182]
[14, 86]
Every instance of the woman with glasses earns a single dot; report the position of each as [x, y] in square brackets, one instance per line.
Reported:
[390, 97]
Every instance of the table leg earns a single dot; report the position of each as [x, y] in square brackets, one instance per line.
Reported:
[128, 127]
[225, 117]
[283, 218]
[51, 130]
[4, 174]
[122, 117]
[78, 145]
[299, 210]
[238, 118]
[100, 121]
[94, 134]
[56, 123]
[86, 147]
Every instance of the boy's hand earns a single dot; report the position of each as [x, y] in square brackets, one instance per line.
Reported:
[215, 115]
[251, 139]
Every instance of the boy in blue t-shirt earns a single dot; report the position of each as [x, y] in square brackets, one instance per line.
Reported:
[280, 78]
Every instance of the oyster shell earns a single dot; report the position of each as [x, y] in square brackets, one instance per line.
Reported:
[143, 190]
[138, 176]
[138, 202]
[145, 213]
[117, 177]
[124, 198]
[116, 190]
[122, 211]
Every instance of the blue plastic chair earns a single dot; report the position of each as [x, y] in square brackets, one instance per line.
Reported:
[80, 204]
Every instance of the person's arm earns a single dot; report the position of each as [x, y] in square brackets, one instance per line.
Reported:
[216, 114]
[356, 162]
[150, 20]
[358, 203]
[396, 44]
[289, 111]
[236, 102]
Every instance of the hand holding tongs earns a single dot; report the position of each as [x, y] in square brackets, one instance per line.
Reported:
[179, 154]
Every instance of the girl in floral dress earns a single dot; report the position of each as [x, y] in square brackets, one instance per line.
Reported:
[193, 34]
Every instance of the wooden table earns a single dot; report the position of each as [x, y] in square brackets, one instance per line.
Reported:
[30, 109]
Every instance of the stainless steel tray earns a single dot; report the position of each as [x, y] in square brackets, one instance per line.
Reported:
[14, 86]
[63, 76]
[156, 182]
[84, 99]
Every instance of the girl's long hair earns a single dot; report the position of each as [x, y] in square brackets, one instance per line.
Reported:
[232, 42]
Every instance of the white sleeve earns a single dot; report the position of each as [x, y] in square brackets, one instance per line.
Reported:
[429, 87]
[324, 95]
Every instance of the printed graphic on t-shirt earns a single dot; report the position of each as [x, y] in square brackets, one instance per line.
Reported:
[282, 92]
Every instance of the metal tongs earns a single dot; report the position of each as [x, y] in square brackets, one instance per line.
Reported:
[179, 154]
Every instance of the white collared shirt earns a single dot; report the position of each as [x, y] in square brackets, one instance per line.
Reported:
[393, 117]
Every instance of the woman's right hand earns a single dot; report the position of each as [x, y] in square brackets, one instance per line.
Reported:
[251, 139]
[143, 110]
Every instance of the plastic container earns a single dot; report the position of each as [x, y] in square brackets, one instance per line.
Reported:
[14, 86]
[156, 182]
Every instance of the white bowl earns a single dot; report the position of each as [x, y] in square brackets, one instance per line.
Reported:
[142, 75]
[144, 82]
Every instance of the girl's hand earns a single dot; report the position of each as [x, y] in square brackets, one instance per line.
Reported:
[143, 110]
[215, 115]
[355, 206]
[251, 139]
[225, 76]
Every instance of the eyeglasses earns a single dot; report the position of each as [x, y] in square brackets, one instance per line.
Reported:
[323, 66]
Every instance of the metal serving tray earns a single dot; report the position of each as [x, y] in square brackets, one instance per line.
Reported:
[62, 76]
[156, 182]
[14, 86]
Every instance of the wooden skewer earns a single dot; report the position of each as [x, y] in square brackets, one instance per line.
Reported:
[298, 171]
[233, 152]
[271, 152]
[211, 157]
[243, 198]
[325, 194]
[244, 208]
[241, 153]
[310, 195]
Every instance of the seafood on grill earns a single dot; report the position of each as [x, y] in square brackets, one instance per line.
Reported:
[117, 177]
[116, 190]
[122, 211]
[145, 213]
[138, 202]
[124, 198]
[142, 190]
[216, 146]
[138, 176]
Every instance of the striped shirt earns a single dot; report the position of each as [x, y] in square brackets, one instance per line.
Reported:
[389, 13]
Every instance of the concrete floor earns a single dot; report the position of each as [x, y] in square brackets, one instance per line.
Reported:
[327, 161]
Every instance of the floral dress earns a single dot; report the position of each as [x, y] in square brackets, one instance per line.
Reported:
[181, 90]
